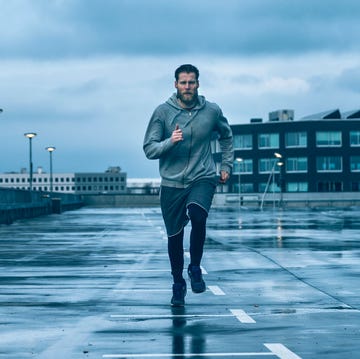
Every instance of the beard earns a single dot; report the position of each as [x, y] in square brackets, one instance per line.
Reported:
[188, 99]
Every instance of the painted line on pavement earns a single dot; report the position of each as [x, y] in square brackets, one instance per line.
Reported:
[141, 290]
[170, 316]
[216, 290]
[281, 351]
[242, 316]
[276, 349]
[141, 270]
[237, 313]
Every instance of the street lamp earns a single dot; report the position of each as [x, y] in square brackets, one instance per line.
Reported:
[271, 175]
[30, 136]
[51, 149]
[239, 160]
[280, 164]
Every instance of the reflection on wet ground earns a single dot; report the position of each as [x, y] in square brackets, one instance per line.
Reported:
[316, 230]
[95, 283]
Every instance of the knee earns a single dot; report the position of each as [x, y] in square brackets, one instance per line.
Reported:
[197, 214]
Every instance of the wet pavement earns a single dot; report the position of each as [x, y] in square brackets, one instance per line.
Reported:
[95, 283]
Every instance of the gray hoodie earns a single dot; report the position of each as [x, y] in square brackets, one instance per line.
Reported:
[189, 160]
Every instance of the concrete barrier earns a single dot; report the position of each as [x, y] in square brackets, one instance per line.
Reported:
[125, 200]
[18, 204]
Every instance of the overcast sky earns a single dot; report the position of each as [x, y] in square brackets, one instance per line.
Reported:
[86, 75]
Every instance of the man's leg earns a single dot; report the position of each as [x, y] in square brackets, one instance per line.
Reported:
[176, 256]
[198, 218]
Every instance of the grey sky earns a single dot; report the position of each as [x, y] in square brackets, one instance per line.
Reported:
[87, 74]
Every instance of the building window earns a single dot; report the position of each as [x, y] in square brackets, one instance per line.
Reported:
[355, 163]
[329, 164]
[354, 138]
[244, 188]
[296, 164]
[355, 186]
[269, 140]
[245, 166]
[296, 139]
[273, 187]
[329, 186]
[297, 187]
[326, 139]
[267, 165]
[243, 142]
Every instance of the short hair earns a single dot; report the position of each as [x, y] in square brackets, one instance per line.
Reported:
[186, 68]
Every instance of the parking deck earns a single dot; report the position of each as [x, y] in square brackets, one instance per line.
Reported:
[95, 283]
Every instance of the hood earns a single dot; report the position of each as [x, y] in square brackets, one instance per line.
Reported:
[172, 101]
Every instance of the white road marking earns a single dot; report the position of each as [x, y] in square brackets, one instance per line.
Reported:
[141, 290]
[276, 349]
[141, 270]
[187, 355]
[242, 316]
[238, 313]
[170, 316]
[281, 351]
[216, 290]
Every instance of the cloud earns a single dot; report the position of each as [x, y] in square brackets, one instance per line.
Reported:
[86, 75]
[81, 28]
[350, 79]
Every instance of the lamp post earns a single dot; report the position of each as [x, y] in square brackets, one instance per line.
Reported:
[51, 149]
[280, 164]
[30, 136]
[239, 160]
[271, 175]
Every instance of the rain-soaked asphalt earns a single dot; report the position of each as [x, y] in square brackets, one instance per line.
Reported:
[95, 283]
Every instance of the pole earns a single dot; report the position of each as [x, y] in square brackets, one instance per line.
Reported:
[30, 136]
[51, 149]
[31, 164]
[51, 173]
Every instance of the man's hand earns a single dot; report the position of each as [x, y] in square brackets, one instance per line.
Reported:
[224, 176]
[177, 135]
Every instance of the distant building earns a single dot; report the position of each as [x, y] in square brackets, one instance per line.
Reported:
[319, 153]
[111, 181]
[143, 185]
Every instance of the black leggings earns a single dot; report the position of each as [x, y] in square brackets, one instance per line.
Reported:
[198, 218]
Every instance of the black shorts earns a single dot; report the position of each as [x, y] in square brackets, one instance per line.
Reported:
[175, 201]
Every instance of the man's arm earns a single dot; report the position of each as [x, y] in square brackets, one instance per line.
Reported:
[154, 143]
[226, 147]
